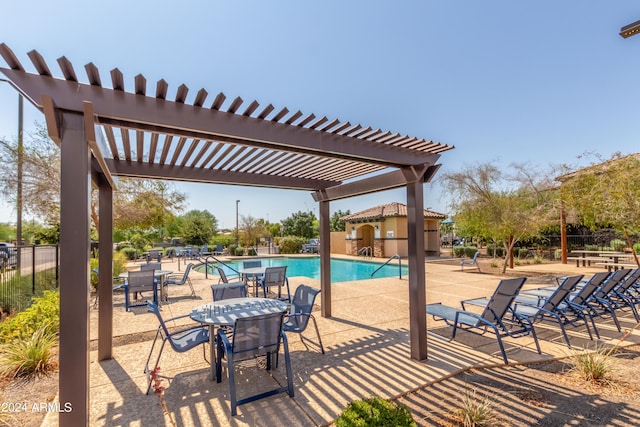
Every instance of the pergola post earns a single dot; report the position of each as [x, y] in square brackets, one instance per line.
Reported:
[417, 291]
[325, 259]
[105, 282]
[74, 269]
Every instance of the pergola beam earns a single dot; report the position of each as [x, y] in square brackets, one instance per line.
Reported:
[131, 110]
[211, 176]
[382, 182]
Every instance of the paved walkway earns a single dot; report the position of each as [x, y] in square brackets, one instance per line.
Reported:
[367, 353]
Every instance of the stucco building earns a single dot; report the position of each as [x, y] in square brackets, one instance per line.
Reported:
[382, 230]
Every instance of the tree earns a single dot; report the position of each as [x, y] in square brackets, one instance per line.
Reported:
[334, 222]
[299, 224]
[145, 204]
[606, 194]
[500, 208]
[252, 229]
[40, 174]
[198, 227]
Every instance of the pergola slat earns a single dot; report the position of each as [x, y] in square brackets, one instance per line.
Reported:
[117, 80]
[166, 145]
[251, 108]
[189, 153]
[140, 85]
[280, 115]
[67, 69]
[10, 58]
[181, 95]
[217, 102]
[178, 150]
[39, 63]
[108, 130]
[295, 116]
[93, 74]
[140, 145]
[161, 89]
[235, 105]
[126, 143]
[201, 96]
[153, 146]
[267, 110]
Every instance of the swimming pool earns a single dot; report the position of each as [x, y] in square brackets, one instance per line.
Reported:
[342, 270]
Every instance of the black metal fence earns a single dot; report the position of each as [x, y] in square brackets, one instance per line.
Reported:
[27, 272]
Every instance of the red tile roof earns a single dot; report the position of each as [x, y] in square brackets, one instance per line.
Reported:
[388, 210]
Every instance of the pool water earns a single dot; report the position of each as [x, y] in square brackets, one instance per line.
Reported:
[342, 270]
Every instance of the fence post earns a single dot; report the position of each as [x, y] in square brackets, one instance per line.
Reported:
[33, 269]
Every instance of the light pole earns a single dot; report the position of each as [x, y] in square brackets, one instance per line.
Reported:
[237, 201]
[19, 167]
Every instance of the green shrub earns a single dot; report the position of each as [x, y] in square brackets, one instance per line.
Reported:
[232, 249]
[636, 248]
[239, 251]
[591, 247]
[458, 251]
[537, 259]
[470, 251]
[375, 411]
[251, 252]
[119, 261]
[499, 251]
[291, 245]
[45, 310]
[618, 245]
[557, 254]
[129, 252]
[28, 356]
[522, 253]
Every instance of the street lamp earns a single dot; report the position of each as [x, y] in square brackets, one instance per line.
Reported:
[630, 30]
[237, 201]
[20, 161]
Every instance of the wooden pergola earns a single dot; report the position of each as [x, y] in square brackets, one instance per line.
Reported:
[107, 132]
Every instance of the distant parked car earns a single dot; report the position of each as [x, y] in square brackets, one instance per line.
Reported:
[312, 247]
[8, 256]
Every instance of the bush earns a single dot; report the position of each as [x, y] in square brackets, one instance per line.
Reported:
[129, 253]
[557, 254]
[636, 248]
[291, 245]
[458, 251]
[119, 261]
[251, 252]
[375, 411]
[45, 310]
[618, 245]
[475, 412]
[470, 251]
[232, 249]
[28, 356]
[591, 248]
[239, 251]
[499, 251]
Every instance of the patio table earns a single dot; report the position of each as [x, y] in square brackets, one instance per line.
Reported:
[254, 273]
[225, 313]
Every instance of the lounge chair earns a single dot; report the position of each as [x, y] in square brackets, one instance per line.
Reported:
[181, 340]
[276, 277]
[253, 337]
[574, 311]
[492, 317]
[181, 279]
[599, 304]
[474, 261]
[537, 310]
[627, 293]
[299, 314]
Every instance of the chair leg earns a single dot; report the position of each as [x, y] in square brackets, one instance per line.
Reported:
[287, 364]
[317, 333]
[193, 292]
[154, 367]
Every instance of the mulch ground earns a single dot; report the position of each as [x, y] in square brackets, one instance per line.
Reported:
[544, 394]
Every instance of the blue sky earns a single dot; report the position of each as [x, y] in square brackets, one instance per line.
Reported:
[503, 81]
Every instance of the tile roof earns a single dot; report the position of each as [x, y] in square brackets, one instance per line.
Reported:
[388, 210]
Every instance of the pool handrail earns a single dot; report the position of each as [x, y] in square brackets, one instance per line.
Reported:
[366, 252]
[388, 261]
[206, 266]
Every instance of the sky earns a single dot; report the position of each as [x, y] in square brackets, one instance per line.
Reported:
[503, 81]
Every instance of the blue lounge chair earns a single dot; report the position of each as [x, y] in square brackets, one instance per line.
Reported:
[474, 261]
[492, 317]
[554, 306]
[181, 279]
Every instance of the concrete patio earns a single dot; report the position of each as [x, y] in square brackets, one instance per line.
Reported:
[367, 353]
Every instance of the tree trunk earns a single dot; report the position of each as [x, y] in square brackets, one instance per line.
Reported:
[630, 244]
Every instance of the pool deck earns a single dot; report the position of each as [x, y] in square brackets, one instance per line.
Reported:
[367, 353]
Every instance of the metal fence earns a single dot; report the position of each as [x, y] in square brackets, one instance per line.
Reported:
[29, 271]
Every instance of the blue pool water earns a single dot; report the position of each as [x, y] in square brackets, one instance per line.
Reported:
[341, 270]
